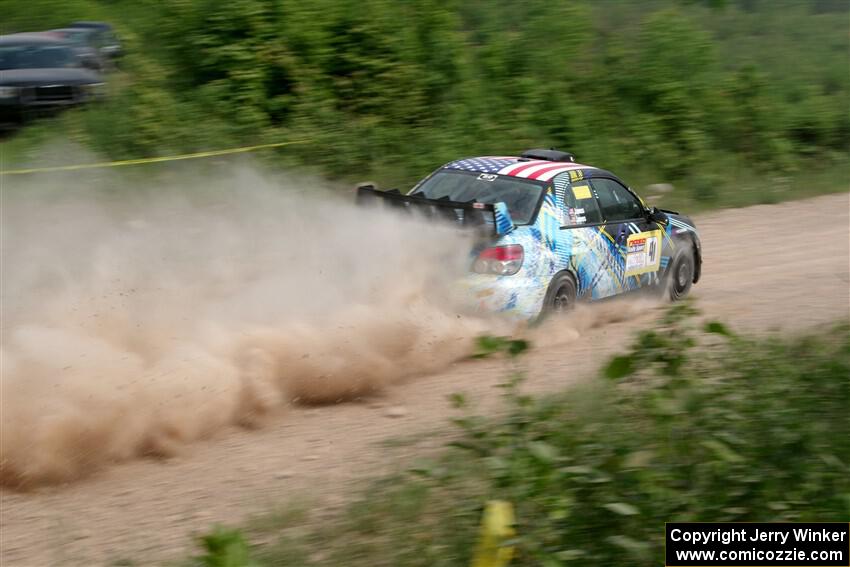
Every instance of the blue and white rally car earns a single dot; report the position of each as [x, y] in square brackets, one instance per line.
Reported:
[558, 232]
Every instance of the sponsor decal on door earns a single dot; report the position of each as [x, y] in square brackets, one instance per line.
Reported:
[643, 252]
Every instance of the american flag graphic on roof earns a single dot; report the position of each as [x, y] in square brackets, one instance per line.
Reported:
[482, 164]
[539, 170]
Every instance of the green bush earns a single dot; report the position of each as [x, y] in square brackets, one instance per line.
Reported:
[717, 429]
[225, 548]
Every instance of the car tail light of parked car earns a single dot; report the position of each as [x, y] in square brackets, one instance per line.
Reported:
[499, 260]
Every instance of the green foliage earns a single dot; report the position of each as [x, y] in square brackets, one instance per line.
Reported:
[660, 90]
[486, 345]
[225, 548]
[702, 424]
[710, 427]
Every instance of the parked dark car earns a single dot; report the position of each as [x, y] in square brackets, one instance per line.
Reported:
[105, 37]
[39, 73]
[85, 43]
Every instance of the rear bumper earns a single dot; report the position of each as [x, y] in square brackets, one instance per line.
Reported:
[516, 297]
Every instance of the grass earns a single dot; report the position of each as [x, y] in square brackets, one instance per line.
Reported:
[410, 440]
[729, 183]
[692, 423]
[277, 519]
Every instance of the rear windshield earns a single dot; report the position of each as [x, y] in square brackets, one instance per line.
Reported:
[36, 56]
[520, 196]
[77, 37]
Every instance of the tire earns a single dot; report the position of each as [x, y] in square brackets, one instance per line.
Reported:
[680, 277]
[561, 296]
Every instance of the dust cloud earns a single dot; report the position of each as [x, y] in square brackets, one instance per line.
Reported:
[137, 319]
[556, 331]
[139, 315]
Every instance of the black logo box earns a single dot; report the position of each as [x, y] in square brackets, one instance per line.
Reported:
[791, 544]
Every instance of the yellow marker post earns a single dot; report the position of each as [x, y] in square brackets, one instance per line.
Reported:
[497, 526]
[140, 161]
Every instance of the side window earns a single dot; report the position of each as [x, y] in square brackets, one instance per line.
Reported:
[580, 207]
[616, 202]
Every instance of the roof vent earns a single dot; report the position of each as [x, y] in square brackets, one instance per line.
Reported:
[548, 155]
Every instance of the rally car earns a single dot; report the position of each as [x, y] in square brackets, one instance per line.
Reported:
[558, 232]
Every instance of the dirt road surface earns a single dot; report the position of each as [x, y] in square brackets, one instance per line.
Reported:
[773, 267]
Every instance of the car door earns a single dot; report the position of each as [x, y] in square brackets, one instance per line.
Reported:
[634, 241]
[581, 244]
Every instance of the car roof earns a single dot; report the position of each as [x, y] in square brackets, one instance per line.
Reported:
[73, 29]
[523, 168]
[30, 37]
[84, 24]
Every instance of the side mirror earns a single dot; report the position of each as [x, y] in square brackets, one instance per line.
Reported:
[654, 214]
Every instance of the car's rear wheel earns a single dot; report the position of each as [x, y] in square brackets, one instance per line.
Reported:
[560, 297]
[680, 276]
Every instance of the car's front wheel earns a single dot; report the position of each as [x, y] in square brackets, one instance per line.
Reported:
[680, 277]
[560, 297]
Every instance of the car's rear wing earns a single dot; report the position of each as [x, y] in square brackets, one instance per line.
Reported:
[489, 216]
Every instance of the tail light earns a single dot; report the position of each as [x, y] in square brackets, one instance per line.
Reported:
[499, 260]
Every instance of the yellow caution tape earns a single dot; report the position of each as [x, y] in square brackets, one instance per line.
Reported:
[140, 161]
[497, 527]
